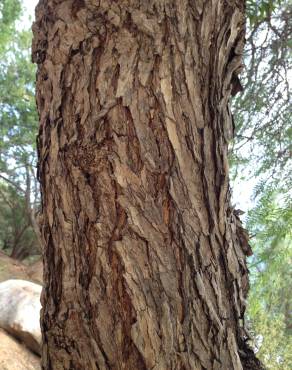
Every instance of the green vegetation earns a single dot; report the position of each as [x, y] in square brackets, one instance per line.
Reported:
[10, 10]
[270, 305]
[18, 125]
[261, 148]
[262, 112]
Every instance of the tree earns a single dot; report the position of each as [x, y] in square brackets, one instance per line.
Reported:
[263, 113]
[9, 11]
[270, 309]
[144, 257]
[18, 122]
[16, 234]
[262, 150]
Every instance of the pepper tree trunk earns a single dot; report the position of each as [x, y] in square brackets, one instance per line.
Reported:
[144, 259]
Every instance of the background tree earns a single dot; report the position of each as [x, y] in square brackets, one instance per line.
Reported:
[262, 113]
[262, 150]
[9, 12]
[16, 235]
[270, 306]
[18, 125]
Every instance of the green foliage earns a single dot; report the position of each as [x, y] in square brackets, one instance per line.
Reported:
[262, 149]
[10, 11]
[18, 118]
[257, 10]
[18, 127]
[263, 112]
[270, 305]
[17, 237]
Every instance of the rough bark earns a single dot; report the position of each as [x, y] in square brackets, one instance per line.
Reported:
[144, 259]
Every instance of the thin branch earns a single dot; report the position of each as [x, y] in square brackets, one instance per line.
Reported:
[14, 184]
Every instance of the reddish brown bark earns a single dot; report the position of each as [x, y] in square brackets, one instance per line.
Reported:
[144, 259]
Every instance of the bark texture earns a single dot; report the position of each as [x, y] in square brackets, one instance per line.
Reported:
[144, 258]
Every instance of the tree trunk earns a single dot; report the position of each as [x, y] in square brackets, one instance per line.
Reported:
[144, 260]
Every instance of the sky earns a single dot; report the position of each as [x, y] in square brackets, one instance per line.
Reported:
[28, 16]
[242, 190]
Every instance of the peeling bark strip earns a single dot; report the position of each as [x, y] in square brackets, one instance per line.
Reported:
[144, 262]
